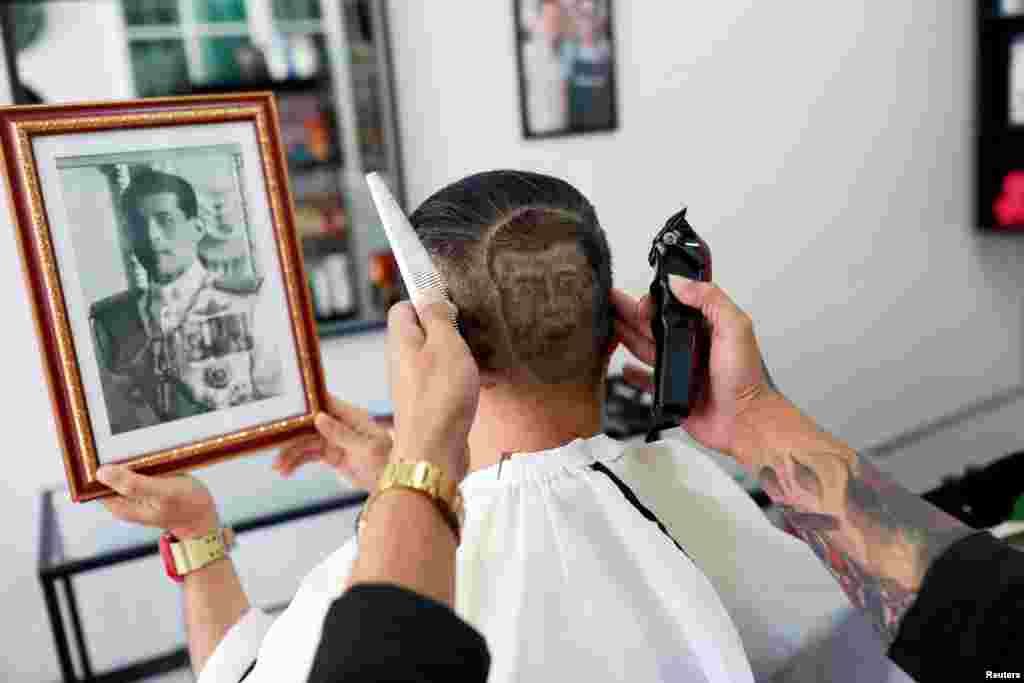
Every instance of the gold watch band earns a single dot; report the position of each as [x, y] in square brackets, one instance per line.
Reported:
[426, 479]
[191, 554]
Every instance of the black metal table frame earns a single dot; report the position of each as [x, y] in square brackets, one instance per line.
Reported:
[51, 573]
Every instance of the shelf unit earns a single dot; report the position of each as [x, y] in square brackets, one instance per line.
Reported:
[356, 96]
[999, 124]
[176, 47]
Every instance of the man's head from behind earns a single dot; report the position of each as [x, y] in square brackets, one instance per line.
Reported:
[528, 266]
[160, 211]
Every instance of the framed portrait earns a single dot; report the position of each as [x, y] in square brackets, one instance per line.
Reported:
[566, 58]
[166, 281]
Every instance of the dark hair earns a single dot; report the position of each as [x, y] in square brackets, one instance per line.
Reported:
[149, 182]
[461, 224]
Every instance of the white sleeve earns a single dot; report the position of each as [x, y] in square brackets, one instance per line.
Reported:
[236, 652]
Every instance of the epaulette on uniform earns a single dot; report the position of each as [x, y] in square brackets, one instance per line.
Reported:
[239, 287]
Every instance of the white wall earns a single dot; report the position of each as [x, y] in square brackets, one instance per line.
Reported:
[95, 61]
[824, 150]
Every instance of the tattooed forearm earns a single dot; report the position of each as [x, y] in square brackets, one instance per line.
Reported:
[875, 537]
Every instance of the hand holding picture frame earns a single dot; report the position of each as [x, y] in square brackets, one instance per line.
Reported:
[165, 278]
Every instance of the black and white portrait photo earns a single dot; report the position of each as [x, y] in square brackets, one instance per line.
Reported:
[165, 276]
[172, 282]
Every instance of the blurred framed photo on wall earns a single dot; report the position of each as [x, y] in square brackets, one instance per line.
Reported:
[165, 277]
[566, 59]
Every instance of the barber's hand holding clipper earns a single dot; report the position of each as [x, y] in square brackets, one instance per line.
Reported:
[876, 538]
[708, 368]
[737, 383]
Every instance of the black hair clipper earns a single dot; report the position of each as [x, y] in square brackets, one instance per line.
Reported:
[682, 337]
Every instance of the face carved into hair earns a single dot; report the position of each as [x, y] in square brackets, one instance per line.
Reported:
[553, 324]
[546, 300]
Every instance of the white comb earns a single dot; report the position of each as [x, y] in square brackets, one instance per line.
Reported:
[424, 283]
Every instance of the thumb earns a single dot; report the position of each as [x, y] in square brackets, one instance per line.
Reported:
[438, 318]
[724, 316]
[347, 413]
[335, 432]
[129, 484]
[404, 326]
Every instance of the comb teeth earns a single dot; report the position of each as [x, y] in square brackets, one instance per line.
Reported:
[433, 280]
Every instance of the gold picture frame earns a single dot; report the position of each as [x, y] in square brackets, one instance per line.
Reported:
[54, 157]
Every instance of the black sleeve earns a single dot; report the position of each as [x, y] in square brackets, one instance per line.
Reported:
[380, 632]
[968, 614]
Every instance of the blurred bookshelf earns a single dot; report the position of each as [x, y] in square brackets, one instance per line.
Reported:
[328, 62]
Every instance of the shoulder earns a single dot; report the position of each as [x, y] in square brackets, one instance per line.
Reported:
[115, 305]
[677, 461]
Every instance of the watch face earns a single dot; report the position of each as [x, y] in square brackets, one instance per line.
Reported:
[169, 566]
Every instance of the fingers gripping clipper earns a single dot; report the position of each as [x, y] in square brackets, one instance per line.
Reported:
[682, 337]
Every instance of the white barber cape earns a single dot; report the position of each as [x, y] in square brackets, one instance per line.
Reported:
[566, 574]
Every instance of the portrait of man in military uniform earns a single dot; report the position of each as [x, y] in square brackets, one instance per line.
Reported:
[184, 338]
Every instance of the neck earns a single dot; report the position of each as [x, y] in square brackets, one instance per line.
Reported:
[164, 280]
[509, 420]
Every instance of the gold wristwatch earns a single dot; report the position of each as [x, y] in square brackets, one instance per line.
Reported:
[183, 556]
[426, 478]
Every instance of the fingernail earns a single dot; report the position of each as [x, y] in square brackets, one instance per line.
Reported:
[678, 280]
[103, 473]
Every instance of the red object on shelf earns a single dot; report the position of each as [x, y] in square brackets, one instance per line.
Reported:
[334, 220]
[384, 278]
[1008, 208]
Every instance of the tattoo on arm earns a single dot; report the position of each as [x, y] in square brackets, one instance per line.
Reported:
[875, 537]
